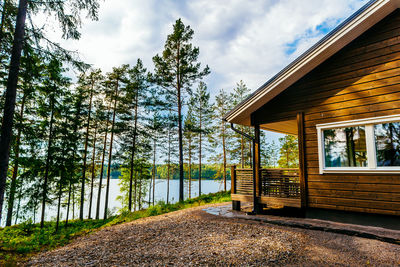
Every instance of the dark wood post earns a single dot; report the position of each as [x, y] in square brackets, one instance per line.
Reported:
[256, 168]
[233, 179]
[235, 203]
[302, 160]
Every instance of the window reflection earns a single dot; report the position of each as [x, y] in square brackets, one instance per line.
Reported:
[387, 138]
[345, 147]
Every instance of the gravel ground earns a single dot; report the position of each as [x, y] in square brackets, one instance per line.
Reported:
[193, 237]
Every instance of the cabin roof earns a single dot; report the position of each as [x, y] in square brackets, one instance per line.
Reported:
[362, 20]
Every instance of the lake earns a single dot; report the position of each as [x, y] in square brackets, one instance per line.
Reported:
[207, 186]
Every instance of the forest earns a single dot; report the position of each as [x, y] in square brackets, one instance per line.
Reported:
[69, 127]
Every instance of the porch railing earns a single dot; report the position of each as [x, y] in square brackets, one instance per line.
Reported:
[283, 183]
[279, 183]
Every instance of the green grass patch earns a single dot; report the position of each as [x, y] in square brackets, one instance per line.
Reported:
[18, 242]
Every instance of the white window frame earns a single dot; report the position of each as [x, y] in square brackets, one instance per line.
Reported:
[370, 141]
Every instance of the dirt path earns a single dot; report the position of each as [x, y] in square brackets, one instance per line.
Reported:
[193, 237]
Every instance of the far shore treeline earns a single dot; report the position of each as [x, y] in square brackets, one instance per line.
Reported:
[208, 172]
[62, 141]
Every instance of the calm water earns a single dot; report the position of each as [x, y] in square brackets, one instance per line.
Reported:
[207, 186]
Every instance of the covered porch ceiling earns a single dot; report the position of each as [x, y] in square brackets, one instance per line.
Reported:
[285, 127]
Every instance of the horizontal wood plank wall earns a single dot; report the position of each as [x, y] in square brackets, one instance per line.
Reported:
[360, 81]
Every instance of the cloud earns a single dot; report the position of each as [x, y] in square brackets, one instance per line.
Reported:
[248, 40]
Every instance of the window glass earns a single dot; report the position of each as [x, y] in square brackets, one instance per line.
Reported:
[387, 140]
[345, 147]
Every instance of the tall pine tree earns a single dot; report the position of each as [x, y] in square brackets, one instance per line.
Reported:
[176, 70]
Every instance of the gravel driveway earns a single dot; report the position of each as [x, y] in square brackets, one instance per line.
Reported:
[193, 237]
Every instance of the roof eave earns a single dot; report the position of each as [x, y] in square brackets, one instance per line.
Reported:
[350, 29]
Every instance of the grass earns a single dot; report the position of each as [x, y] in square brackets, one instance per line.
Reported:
[18, 242]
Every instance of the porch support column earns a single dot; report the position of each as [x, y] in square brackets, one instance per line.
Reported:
[235, 203]
[302, 159]
[256, 170]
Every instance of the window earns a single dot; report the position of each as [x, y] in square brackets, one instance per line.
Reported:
[345, 147]
[387, 137]
[367, 145]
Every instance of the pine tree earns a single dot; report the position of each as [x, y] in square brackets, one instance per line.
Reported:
[240, 93]
[104, 118]
[156, 127]
[69, 25]
[289, 152]
[53, 89]
[189, 133]
[30, 75]
[203, 117]
[221, 107]
[176, 70]
[115, 80]
[269, 152]
[171, 140]
[135, 100]
[89, 84]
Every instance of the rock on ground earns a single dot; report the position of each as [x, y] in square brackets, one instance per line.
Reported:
[192, 238]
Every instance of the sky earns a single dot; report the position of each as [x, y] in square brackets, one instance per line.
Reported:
[238, 39]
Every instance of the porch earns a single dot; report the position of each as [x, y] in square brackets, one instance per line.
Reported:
[276, 187]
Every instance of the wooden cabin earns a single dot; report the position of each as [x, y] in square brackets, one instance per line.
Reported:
[342, 99]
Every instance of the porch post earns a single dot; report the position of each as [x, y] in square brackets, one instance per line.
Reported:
[235, 203]
[256, 169]
[302, 159]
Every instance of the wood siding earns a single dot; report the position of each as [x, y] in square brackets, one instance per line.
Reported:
[360, 81]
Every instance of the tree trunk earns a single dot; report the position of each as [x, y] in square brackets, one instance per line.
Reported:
[19, 204]
[169, 163]
[190, 167]
[200, 141]
[180, 135]
[59, 204]
[140, 190]
[133, 152]
[102, 169]
[11, 91]
[84, 157]
[150, 184]
[135, 192]
[78, 113]
[154, 168]
[200, 166]
[224, 152]
[93, 172]
[16, 164]
[110, 153]
[3, 18]
[73, 203]
[46, 173]
[68, 203]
